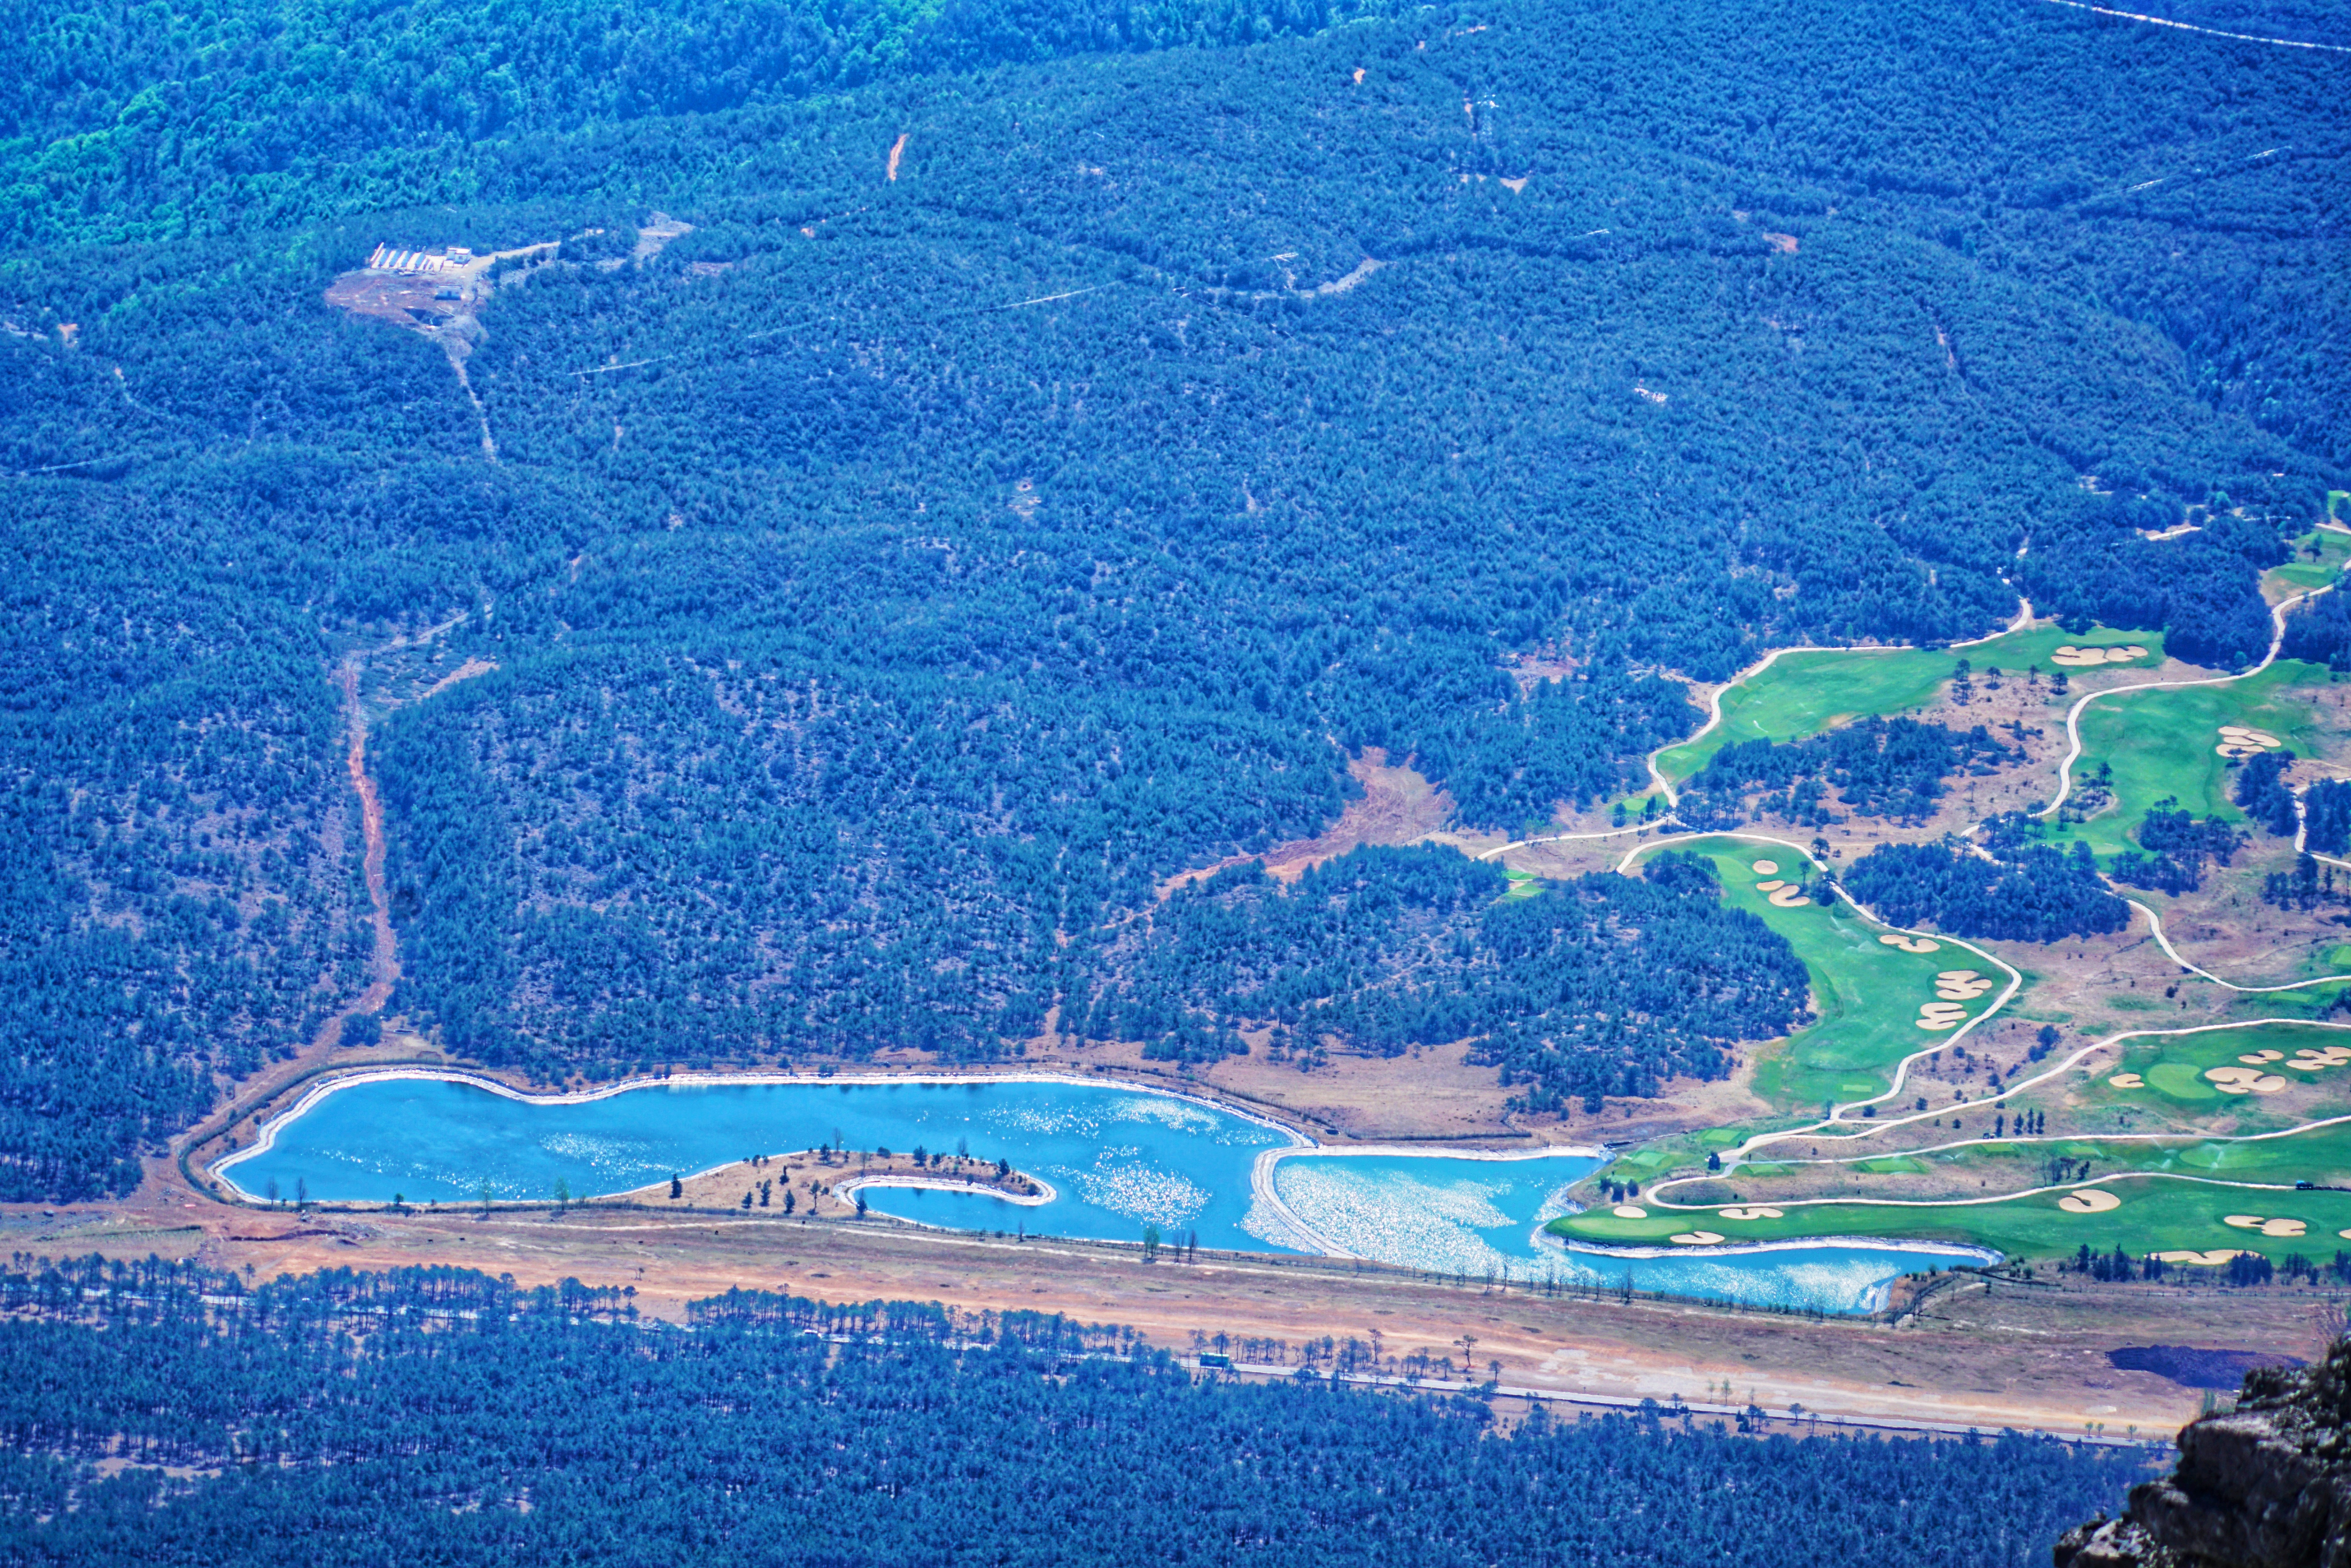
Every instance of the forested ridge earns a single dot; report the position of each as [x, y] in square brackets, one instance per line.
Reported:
[445, 1416]
[893, 582]
[1603, 984]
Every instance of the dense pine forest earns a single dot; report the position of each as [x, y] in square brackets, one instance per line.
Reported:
[2023, 893]
[1604, 985]
[157, 1413]
[1057, 445]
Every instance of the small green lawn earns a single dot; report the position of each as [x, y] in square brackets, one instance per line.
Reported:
[2172, 1083]
[2305, 572]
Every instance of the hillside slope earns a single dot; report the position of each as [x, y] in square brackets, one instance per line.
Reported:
[1030, 477]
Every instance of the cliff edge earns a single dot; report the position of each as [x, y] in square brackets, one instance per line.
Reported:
[2266, 1486]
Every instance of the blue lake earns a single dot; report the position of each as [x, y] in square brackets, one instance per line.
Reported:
[1117, 1159]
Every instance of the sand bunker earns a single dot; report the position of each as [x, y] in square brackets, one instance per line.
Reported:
[1755, 1211]
[1696, 1238]
[2245, 1080]
[2238, 741]
[1627, 1211]
[2089, 1200]
[2257, 1058]
[1947, 1012]
[2282, 1228]
[2204, 1259]
[2078, 658]
[2309, 1060]
[1767, 868]
[2128, 1080]
[1775, 885]
[1912, 944]
[1789, 898]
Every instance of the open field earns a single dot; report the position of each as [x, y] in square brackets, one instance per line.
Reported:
[1804, 694]
[2167, 1081]
[2319, 559]
[2180, 1151]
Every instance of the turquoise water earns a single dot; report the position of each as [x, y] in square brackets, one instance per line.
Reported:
[1823, 1278]
[1485, 1218]
[1117, 1159]
[1441, 1212]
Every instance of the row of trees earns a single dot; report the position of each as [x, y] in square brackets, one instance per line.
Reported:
[481, 1425]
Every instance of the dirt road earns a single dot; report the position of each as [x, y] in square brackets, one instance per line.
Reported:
[2006, 1355]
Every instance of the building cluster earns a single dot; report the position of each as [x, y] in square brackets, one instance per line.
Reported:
[387, 259]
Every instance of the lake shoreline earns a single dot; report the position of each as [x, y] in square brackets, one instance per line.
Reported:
[318, 1092]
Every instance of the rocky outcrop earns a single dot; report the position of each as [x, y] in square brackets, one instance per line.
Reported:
[2266, 1486]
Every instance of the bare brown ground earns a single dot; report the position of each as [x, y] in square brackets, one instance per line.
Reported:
[1397, 807]
[897, 149]
[815, 1183]
[2031, 1357]
[1784, 244]
[1434, 1094]
[464, 672]
[404, 302]
[384, 958]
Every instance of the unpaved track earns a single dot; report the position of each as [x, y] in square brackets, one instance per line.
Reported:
[384, 962]
[2032, 1358]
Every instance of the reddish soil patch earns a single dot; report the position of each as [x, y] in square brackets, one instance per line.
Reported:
[1398, 806]
[386, 961]
[404, 301]
[1784, 244]
[897, 150]
[464, 672]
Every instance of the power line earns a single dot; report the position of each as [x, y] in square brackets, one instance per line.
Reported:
[2192, 27]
